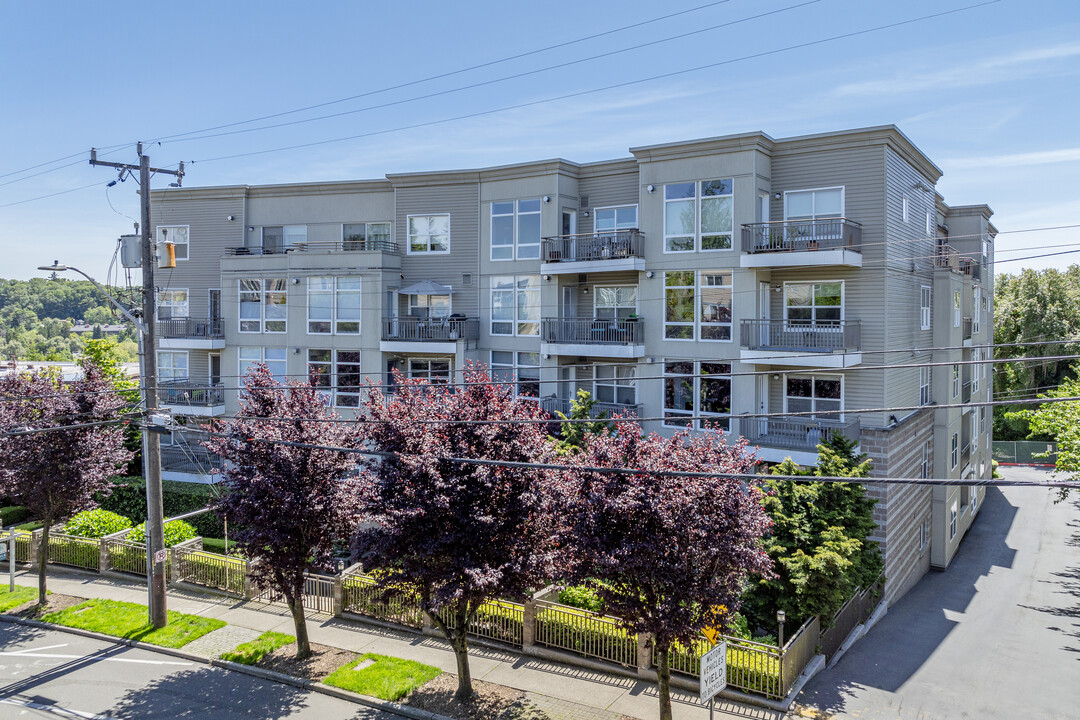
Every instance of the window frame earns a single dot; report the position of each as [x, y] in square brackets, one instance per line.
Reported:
[698, 204]
[514, 367]
[264, 294]
[926, 307]
[813, 377]
[614, 286]
[335, 294]
[814, 216]
[241, 360]
[696, 416]
[696, 295]
[161, 240]
[596, 218]
[925, 386]
[953, 515]
[954, 451]
[615, 382]
[173, 304]
[367, 234]
[958, 308]
[173, 355]
[518, 292]
[409, 236]
[955, 381]
[427, 376]
[814, 322]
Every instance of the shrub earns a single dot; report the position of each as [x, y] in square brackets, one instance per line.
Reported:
[580, 596]
[13, 515]
[176, 532]
[96, 523]
[128, 498]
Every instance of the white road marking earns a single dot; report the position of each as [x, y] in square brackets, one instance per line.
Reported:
[54, 709]
[47, 647]
[26, 654]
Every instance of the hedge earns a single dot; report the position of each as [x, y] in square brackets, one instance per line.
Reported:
[13, 515]
[96, 523]
[128, 498]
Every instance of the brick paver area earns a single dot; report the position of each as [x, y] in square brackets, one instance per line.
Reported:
[222, 640]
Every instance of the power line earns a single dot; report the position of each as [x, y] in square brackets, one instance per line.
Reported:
[43, 197]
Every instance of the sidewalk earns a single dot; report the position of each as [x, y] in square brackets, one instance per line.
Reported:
[570, 692]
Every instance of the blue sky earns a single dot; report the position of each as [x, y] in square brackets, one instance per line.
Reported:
[989, 93]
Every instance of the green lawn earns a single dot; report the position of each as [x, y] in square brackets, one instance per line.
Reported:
[129, 620]
[252, 652]
[390, 678]
[21, 595]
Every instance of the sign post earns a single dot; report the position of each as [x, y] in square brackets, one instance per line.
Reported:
[713, 674]
[11, 560]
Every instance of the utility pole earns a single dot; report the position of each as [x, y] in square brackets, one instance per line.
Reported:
[151, 441]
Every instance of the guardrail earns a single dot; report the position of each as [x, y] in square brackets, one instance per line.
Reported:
[126, 557]
[185, 393]
[853, 613]
[800, 235]
[413, 329]
[796, 433]
[386, 246]
[590, 331]
[801, 336]
[211, 570]
[74, 551]
[587, 247]
[500, 620]
[585, 633]
[176, 328]
[600, 410]
[362, 595]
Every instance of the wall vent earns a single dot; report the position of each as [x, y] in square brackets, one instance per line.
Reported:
[466, 279]
[583, 202]
[582, 278]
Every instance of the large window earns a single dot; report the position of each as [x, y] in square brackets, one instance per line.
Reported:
[432, 370]
[954, 451]
[814, 303]
[955, 381]
[338, 371]
[429, 234]
[263, 305]
[522, 369]
[616, 384]
[172, 365]
[175, 234]
[698, 216]
[696, 393]
[365, 236]
[952, 520]
[515, 225]
[976, 357]
[172, 304]
[279, 238]
[615, 303]
[429, 306]
[822, 395]
[814, 204]
[334, 305]
[615, 218]
[925, 300]
[515, 305]
[975, 316]
[274, 358]
[697, 305]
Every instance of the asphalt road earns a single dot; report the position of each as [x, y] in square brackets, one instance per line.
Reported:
[49, 674]
[996, 636]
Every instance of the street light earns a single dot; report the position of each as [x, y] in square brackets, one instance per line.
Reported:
[155, 522]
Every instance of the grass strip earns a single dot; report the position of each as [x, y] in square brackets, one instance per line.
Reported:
[251, 652]
[129, 620]
[389, 678]
[21, 595]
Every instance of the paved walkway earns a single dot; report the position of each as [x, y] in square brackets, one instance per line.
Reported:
[562, 690]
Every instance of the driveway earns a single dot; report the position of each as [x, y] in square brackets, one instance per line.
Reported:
[996, 636]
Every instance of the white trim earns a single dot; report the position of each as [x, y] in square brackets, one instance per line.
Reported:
[408, 237]
[187, 365]
[926, 312]
[697, 203]
[171, 304]
[843, 301]
[812, 376]
[637, 296]
[637, 215]
[843, 198]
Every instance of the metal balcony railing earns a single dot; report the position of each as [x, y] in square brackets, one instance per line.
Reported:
[190, 459]
[175, 328]
[798, 235]
[796, 433]
[446, 329]
[965, 455]
[608, 245]
[600, 410]
[590, 331]
[968, 327]
[186, 393]
[799, 335]
[965, 392]
[386, 246]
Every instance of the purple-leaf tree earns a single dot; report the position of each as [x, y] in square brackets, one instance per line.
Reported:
[460, 533]
[288, 501]
[46, 464]
[669, 555]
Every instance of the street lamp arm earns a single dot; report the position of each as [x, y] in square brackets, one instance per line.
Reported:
[60, 268]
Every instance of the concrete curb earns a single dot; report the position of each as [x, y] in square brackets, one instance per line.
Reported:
[299, 683]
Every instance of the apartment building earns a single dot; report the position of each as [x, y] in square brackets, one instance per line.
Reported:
[784, 289]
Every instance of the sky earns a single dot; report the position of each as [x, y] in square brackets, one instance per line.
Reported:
[989, 93]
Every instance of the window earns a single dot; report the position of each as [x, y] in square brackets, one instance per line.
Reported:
[956, 309]
[321, 371]
[521, 369]
[177, 235]
[338, 374]
[924, 535]
[616, 384]
[334, 305]
[955, 381]
[697, 390]
[925, 299]
[814, 204]
[929, 224]
[697, 305]
[975, 432]
[172, 366]
[277, 239]
[429, 234]
[952, 521]
[975, 317]
[906, 209]
[977, 357]
[698, 215]
[365, 236]
[822, 395]
[615, 303]
[924, 386]
[435, 371]
[172, 304]
[954, 449]
[814, 303]
[274, 358]
[515, 305]
[515, 224]
[429, 306]
[616, 218]
[974, 498]
[924, 467]
[263, 305]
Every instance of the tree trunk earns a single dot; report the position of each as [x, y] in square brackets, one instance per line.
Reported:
[461, 654]
[663, 678]
[43, 559]
[296, 607]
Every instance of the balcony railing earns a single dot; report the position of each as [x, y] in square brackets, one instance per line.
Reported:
[968, 326]
[175, 328]
[386, 246]
[589, 331]
[796, 433]
[600, 410]
[965, 392]
[447, 329]
[799, 235]
[194, 395]
[965, 455]
[801, 336]
[609, 245]
[190, 459]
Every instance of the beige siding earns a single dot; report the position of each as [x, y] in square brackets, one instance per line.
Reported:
[605, 185]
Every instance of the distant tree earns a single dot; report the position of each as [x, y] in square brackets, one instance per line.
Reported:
[1059, 421]
[56, 473]
[99, 315]
[461, 534]
[107, 357]
[286, 505]
[669, 555]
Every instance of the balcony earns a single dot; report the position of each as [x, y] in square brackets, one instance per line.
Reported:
[834, 344]
[611, 251]
[968, 326]
[600, 410]
[189, 463]
[191, 333]
[794, 435]
[965, 392]
[385, 246]
[428, 335]
[590, 336]
[186, 398]
[786, 243]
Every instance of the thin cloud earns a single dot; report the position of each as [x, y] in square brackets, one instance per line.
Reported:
[1046, 157]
